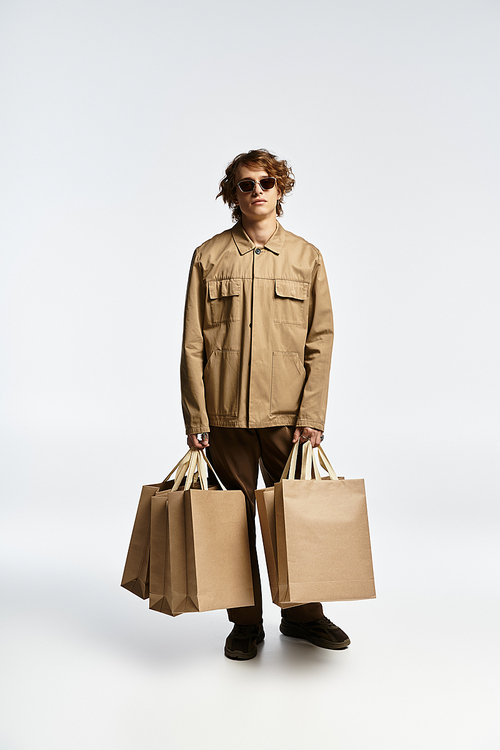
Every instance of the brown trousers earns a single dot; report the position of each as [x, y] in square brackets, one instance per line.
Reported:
[236, 454]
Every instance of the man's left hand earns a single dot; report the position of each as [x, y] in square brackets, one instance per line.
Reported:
[307, 433]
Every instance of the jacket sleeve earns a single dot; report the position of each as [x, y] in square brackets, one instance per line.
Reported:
[193, 357]
[317, 351]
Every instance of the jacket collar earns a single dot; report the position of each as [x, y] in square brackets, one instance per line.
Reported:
[245, 244]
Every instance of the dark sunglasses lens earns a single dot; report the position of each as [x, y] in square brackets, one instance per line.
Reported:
[267, 183]
[246, 186]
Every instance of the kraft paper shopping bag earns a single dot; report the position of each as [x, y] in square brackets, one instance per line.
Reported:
[267, 521]
[200, 557]
[137, 564]
[322, 536]
[168, 577]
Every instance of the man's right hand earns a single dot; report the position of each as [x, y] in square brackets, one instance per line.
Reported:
[199, 445]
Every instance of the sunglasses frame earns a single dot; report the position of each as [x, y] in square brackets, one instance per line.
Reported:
[256, 182]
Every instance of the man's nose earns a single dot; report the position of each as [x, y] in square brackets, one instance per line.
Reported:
[257, 188]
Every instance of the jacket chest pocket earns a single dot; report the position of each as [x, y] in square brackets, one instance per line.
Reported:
[224, 301]
[290, 302]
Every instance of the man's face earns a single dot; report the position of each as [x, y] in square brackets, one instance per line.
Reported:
[259, 203]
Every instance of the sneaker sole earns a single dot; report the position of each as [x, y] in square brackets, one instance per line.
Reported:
[242, 655]
[339, 646]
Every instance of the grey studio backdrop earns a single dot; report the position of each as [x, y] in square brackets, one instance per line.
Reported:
[118, 120]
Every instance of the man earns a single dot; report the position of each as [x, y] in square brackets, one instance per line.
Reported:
[258, 335]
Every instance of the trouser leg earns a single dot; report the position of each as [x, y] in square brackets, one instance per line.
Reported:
[234, 453]
[276, 444]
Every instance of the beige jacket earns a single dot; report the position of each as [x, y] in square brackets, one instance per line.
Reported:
[258, 334]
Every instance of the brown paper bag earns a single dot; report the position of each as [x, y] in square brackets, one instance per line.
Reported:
[136, 573]
[267, 520]
[219, 574]
[322, 535]
[200, 557]
[168, 578]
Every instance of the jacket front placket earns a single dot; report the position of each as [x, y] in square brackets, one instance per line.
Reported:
[252, 333]
[242, 333]
[261, 322]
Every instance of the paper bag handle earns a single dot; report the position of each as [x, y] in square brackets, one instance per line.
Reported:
[213, 471]
[194, 462]
[202, 471]
[309, 467]
[291, 463]
[192, 469]
[325, 463]
[184, 467]
[183, 460]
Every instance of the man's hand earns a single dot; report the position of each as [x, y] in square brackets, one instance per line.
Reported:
[196, 444]
[307, 433]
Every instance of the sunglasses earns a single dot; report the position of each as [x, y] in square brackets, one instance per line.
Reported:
[247, 186]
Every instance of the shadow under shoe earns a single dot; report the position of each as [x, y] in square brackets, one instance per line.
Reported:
[322, 633]
[242, 641]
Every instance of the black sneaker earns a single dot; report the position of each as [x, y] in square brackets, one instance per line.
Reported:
[322, 632]
[242, 641]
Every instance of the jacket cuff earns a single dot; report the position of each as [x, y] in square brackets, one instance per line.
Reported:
[314, 424]
[194, 429]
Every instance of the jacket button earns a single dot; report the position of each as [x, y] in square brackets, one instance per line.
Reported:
[258, 251]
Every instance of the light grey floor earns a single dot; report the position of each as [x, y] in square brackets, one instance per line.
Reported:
[86, 665]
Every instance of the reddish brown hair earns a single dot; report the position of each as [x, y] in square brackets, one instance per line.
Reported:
[258, 158]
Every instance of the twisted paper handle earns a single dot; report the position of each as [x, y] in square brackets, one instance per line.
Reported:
[309, 468]
[193, 464]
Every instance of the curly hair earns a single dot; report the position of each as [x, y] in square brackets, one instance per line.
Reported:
[257, 158]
